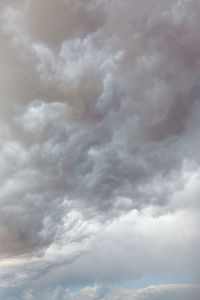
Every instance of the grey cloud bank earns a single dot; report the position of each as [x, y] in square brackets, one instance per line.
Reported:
[99, 132]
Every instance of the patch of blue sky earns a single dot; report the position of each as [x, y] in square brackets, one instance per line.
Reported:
[157, 278]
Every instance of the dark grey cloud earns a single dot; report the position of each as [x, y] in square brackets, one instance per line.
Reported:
[99, 109]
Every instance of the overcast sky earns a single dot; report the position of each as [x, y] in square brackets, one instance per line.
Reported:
[99, 149]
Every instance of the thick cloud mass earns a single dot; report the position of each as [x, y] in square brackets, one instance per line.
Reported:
[99, 121]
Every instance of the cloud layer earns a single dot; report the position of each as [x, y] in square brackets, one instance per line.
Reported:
[99, 121]
[162, 292]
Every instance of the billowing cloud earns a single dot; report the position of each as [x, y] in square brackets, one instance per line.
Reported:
[99, 121]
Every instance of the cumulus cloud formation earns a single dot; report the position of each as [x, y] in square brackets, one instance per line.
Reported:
[99, 121]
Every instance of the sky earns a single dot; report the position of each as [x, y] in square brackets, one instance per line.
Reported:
[99, 149]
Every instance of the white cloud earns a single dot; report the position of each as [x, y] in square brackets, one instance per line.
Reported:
[135, 244]
[161, 292]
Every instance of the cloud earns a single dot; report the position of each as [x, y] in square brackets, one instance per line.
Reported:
[99, 109]
[162, 292]
[135, 244]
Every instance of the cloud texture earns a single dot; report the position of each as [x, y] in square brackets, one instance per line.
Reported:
[99, 121]
[162, 292]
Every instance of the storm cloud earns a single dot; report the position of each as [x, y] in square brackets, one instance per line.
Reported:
[99, 131]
